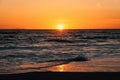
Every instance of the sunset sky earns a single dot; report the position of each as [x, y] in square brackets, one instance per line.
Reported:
[49, 14]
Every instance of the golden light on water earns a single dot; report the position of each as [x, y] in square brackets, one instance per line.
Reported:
[61, 68]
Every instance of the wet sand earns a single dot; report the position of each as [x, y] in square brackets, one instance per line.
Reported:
[94, 65]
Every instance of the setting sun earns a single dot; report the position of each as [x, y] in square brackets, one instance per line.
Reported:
[44, 14]
[60, 26]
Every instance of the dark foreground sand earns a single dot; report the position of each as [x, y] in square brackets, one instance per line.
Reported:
[61, 76]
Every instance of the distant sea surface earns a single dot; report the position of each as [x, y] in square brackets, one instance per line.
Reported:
[35, 50]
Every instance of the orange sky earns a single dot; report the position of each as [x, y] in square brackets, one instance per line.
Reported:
[47, 14]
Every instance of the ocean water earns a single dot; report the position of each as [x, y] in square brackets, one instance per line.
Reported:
[35, 50]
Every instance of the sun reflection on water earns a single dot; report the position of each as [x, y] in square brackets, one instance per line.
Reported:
[61, 68]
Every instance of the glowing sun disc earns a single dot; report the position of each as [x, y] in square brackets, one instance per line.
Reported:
[60, 27]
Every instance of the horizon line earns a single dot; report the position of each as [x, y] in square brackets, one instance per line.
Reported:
[67, 29]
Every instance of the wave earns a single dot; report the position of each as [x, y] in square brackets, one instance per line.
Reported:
[102, 37]
[58, 62]
[60, 40]
[78, 58]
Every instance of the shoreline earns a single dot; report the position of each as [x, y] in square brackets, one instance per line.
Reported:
[110, 64]
[90, 70]
[95, 65]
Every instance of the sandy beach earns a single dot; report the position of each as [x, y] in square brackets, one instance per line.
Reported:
[61, 76]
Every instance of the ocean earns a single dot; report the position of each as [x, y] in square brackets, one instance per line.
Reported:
[36, 50]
